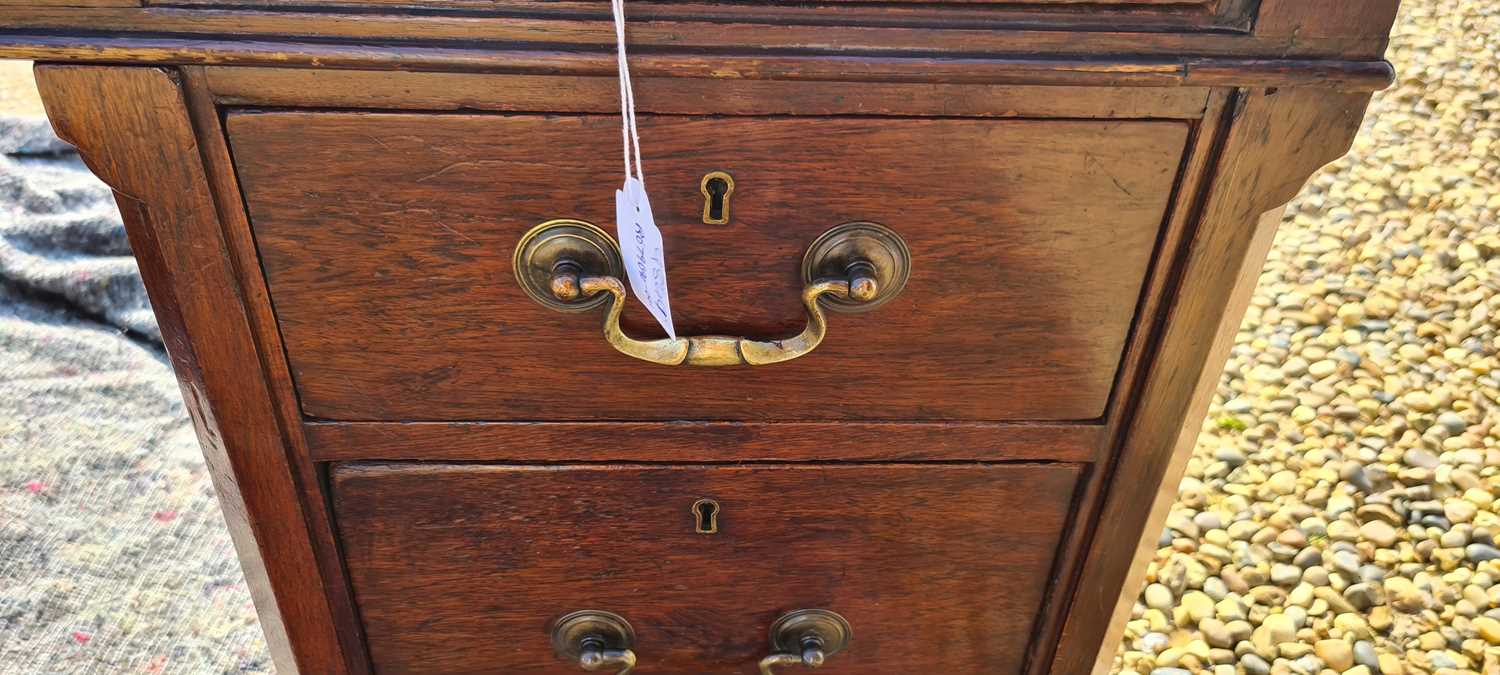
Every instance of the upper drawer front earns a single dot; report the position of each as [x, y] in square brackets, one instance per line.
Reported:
[937, 568]
[387, 243]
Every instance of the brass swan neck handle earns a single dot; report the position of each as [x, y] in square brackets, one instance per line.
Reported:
[715, 350]
[571, 265]
[595, 640]
[806, 637]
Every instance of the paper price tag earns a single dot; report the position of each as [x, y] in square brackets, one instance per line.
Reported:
[641, 248]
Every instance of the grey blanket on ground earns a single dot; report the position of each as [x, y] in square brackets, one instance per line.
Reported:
[114, 557]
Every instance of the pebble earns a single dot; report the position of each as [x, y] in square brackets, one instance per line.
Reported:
[1346, 562]
[1286, 575]
[1378, 532]
[1420, 458]
[1336, 654]
[1254, 665]
[1183, 524]
[1365, 655]
[1279, 628]
[1452, 422]
[1282, 482]
[1481, 552]
[1459, 511]
[1197, 605]
[1488, 629]
[1419, 401]
[1380, 512]
[1340, 530]
[1158, 597]
[1216, 633]
[1152, 643]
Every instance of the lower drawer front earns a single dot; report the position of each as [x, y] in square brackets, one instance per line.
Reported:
[464, 569]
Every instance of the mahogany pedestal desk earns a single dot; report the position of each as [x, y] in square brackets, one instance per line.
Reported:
[968, 269]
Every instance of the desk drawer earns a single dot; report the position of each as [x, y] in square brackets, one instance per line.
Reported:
[464, 569]
[387, 242]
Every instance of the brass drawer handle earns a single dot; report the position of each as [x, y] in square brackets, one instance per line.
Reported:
[572, 265]
[806, 637]
[595, 639]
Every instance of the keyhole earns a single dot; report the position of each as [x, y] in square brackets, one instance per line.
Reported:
[716, 190]
[716, 187]
[706, 516]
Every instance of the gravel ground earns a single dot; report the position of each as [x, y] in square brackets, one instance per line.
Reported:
[1339, 512]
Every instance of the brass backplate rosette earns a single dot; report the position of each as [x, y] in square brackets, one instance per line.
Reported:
[571, 632]
[790, 632]
[565, 240]
[880, 249]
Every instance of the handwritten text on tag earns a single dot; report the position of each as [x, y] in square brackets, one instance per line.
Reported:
[641, 248]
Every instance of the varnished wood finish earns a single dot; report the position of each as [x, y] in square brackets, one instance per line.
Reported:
[133, 129]
[1276, 139]
[378, 90]
[240, 247]
[1185, 211]
[1283, 29]
[1063, 10]
[386, 241]
[363, 310]
[939, 568]
[1343, 75]
[564, 442]
[72, 4]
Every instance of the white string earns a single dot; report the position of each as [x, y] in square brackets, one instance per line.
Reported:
[630, 137]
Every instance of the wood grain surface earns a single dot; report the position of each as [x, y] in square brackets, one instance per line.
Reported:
[564, 442]
[386, 239]
[1274, 141]
[1054, 42]
[398, 90]
[1161, 286]
[1165, 68]
[133, 129]
[691, 23]
[939, 568]
[310, 476]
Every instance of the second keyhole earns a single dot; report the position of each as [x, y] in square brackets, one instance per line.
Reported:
[706, 516]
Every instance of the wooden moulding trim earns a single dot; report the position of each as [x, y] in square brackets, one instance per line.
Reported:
[1342, 75]
[1204, 15]
[80, 3]
[1198, 156]
[240, 245]
[885, 27]
[561, 442]
[429, 92]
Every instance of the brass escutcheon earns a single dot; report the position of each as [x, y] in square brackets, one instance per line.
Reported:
[706, 516]
[717, 187]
